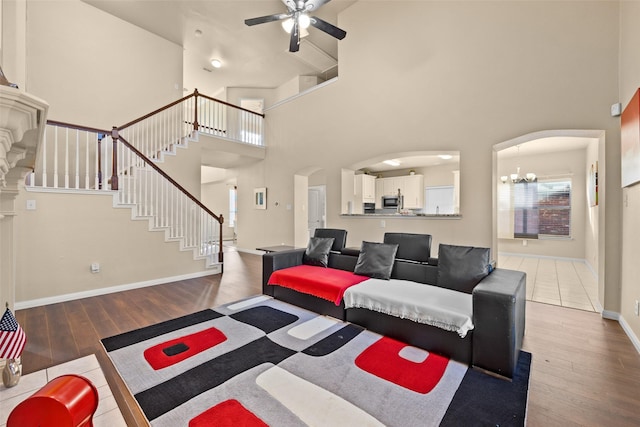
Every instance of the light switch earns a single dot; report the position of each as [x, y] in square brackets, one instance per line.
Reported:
[31, 205]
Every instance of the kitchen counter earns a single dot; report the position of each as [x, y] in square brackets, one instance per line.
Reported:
[399, 215]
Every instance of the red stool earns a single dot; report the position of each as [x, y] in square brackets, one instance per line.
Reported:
[66, 401]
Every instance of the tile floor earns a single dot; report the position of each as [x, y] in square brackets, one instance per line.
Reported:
[556, 281]
[107, 414]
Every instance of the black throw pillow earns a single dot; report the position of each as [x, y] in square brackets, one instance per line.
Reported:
[461, 267]
[376, 260]
[317, 252]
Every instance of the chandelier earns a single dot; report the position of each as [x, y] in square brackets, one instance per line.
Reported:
[516, 178]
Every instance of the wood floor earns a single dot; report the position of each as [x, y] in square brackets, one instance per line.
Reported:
[585, 371]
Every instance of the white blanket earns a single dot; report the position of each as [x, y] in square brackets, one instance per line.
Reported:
[432, 305]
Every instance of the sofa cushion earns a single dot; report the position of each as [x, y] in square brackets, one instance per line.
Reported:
[411, 247]
[461, 267]
[317, 252]
[339, 236]
[376, 260]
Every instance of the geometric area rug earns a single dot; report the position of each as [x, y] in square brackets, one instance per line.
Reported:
[263, 362]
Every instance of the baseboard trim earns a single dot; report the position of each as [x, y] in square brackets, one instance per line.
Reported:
[21, 305]
[627, 329]
[559, 258]
[612, 315]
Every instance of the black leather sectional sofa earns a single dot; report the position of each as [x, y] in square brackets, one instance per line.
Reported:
[498, 300]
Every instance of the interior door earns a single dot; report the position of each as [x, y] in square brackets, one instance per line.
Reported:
[317, 202]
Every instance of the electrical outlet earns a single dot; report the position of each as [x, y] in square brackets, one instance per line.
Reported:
[637, 308]
[383, 223]
[95, 267]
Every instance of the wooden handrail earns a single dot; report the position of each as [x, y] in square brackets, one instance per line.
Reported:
[78, 127]
[220, 218]
[146, 116]
[195, 94]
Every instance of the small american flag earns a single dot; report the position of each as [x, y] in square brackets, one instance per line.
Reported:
[12, 337]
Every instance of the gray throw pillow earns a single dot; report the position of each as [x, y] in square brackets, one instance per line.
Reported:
[317, 252]
[376, 260]
[461, 267]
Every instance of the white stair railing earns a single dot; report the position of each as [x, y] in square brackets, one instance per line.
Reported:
[152, 193]
[72, 157]
[79, 158]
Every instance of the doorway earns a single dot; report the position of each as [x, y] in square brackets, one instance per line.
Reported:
[317, 207]
[563, 245]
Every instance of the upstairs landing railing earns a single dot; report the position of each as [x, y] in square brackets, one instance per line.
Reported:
[165, 127]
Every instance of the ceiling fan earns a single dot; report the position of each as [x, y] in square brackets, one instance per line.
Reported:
[297, 18]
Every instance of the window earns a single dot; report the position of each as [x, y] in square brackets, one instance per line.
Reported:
[532, 210]
[233, 206]
[554, 205]
[439, 200]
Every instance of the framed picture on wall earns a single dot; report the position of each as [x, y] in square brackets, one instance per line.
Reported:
[260, 198]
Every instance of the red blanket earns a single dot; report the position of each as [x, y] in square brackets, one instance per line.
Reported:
[325, 283]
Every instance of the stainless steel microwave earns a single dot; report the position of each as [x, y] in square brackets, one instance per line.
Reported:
[393, 202]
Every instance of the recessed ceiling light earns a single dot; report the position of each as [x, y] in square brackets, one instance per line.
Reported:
[198, 33]
[393, 162]
[445, 156]
[216, 63]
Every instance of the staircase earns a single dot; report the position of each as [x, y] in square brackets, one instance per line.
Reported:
[124, 161]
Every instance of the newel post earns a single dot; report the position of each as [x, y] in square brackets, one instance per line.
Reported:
[114, 169]
[220, 253]
[195, 110]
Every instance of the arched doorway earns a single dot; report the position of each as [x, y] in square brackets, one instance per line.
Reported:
[527, 169]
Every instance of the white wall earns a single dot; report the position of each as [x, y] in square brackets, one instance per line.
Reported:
[456, 76]
[571, 164]
[95, 69]
[629, 83]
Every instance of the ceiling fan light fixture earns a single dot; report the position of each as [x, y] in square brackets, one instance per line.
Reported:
[287, 25]
[304, 21]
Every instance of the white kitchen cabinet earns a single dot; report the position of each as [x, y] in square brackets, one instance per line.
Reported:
[413, 192]
[391, 185]
[364, 191]
[379, 193]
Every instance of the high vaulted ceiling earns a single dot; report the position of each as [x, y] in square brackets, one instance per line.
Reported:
[252, 56]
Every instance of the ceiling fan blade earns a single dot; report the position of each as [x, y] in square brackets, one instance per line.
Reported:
[330, 29]
[294, 43]
[311, 5]
[268, 18]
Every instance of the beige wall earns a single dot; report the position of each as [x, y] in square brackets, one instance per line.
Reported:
[629, 83]
[94, 69]
[455, 76]
[571, 164]
[184, 167]
[57, 242]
